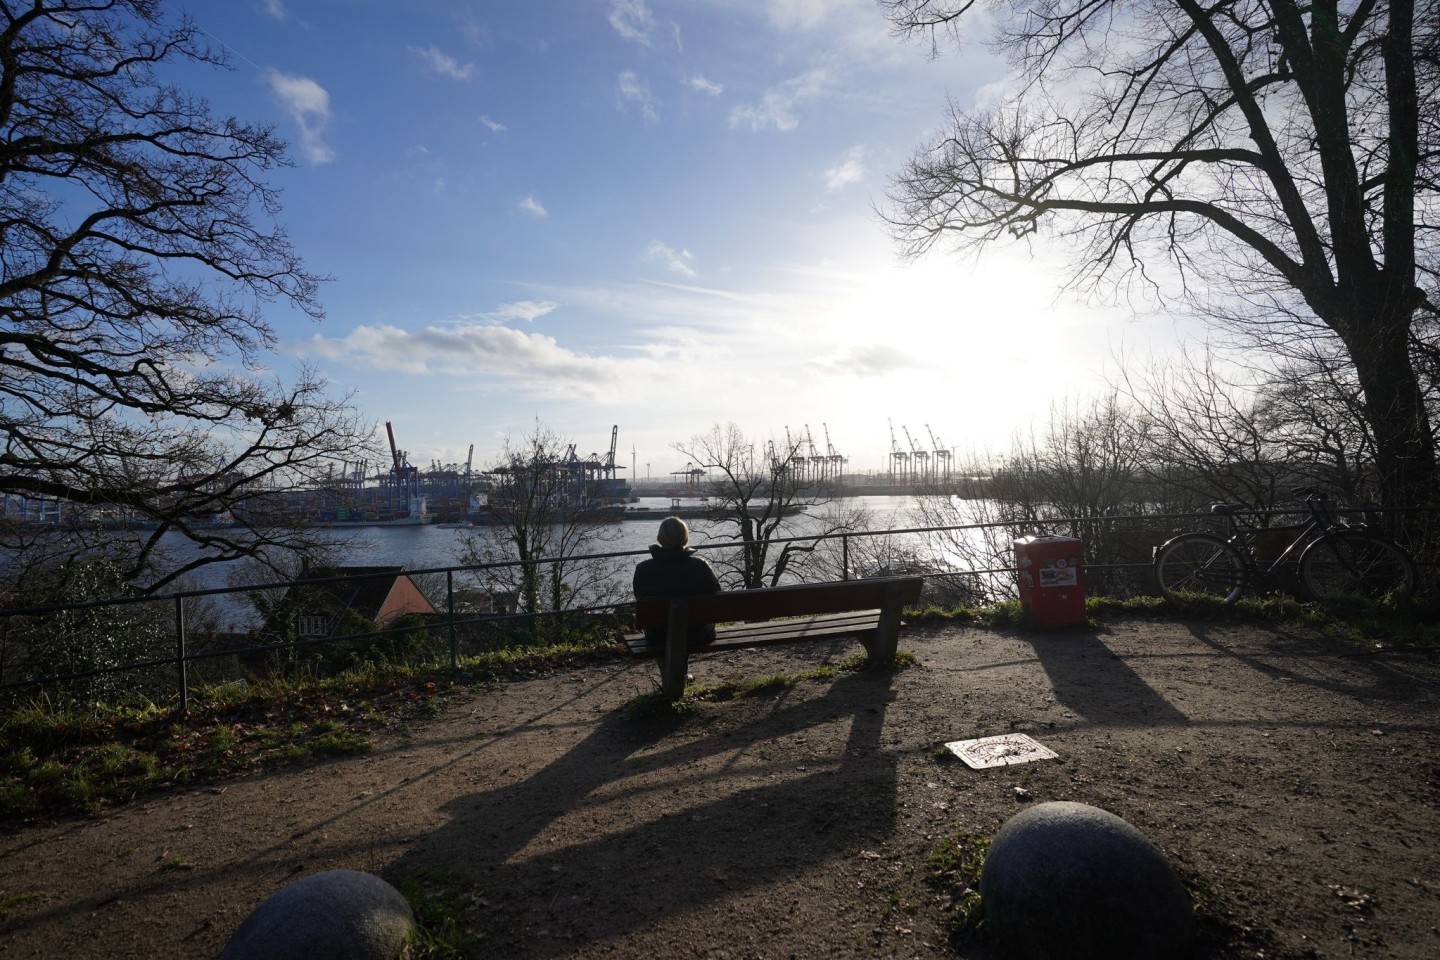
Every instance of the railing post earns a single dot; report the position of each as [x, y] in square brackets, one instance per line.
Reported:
[844, 556]
[181, 664]
[450, 607]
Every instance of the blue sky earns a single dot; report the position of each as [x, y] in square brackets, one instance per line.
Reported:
[658, 214]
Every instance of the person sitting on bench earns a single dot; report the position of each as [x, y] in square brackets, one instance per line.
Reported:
[674, 570]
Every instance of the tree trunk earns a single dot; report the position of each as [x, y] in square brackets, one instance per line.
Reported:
[1395, 408]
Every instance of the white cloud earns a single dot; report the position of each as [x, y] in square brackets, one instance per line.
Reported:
[700, 85]
[276, 9]
[676, 261]
[849, 169]
[309, 106]
[477, 33]
[871, 360]
[777, 107]
[439, 185]
[491, 125]
[533, 207]
[631, 89]
[802, 14]
[533, 363]
[527, 310]
[442, 63]
[633, 20]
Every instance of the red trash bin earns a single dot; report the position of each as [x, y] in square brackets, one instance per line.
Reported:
[1051, 571]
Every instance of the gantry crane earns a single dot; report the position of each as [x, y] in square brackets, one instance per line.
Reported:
[942, 456]
[816, 462]
[922, 458]
[898, 457]
[834, 462]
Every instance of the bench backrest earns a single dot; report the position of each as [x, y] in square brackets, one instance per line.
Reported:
[770, 602]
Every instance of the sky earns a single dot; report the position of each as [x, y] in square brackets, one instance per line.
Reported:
[653, 214]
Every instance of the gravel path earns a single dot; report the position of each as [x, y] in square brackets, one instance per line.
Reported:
[1293, 781]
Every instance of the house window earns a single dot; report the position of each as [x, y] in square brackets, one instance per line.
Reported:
[311, 625]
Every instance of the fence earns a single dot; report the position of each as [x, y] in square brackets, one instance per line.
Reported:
[1106, 574]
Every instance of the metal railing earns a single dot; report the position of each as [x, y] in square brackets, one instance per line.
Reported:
[450, 624]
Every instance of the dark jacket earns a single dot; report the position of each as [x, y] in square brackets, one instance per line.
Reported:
[676, 572]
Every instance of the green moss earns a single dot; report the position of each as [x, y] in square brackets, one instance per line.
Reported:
[446, 915]
[953, 867]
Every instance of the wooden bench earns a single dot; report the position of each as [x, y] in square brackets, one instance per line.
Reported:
[866, 609]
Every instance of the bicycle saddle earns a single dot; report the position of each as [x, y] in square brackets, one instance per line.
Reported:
[1224, 508]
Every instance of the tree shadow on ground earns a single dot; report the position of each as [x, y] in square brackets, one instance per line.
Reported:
[637, 820]
[1336, 666]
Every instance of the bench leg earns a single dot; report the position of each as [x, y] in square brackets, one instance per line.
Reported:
[674, 665]
[882, 646]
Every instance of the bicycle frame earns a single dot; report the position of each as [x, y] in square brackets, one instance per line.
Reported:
[1239, 535]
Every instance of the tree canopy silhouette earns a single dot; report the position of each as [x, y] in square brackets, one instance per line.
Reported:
[1271, 163]
[138, 254]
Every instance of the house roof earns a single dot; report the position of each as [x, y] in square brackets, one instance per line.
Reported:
[364, 590]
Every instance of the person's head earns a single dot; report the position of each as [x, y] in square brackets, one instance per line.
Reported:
[673, 533]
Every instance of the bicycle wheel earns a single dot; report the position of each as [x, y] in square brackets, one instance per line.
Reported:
[1357, 563]
[1195, 566]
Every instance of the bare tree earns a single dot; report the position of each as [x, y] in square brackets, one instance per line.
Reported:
[137, 255]
[1208, 438]
[1280, 157]
[760, 498]
[543, 507]
[1080, 476]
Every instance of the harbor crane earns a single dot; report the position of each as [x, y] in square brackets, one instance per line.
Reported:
[832, 457]
[817, 463]
[942, 456]
[898, 457]
[407, 478]
[922, 457]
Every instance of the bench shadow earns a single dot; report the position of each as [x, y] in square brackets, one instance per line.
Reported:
[627, 826]
[1096, 683]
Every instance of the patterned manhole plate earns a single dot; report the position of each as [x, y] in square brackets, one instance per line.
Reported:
[1001, 751]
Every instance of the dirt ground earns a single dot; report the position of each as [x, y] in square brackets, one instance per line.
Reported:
[1292, 780]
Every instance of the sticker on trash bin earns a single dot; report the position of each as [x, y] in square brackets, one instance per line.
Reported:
[1057, 577]
[1002, 751]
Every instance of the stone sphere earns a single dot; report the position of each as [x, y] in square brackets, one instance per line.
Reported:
[337, 915]
[1068, 881]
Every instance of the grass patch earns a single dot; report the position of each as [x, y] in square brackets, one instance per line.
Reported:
[656, 706]
[653, 705]
[774, 683]
[446, 908]
[58, 759]
[953, 867]
[65, 758]
[9, 902]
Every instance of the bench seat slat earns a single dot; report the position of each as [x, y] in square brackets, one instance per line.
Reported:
[742, 635]
[800, 600]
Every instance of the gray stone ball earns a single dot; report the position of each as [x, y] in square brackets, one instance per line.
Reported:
[1068, 881]
[336, 915]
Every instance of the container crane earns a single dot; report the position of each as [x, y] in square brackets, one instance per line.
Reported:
[817, 464]
[836, 463]
[942, 455]
[898, 457]
[922, 457]
[407, 479]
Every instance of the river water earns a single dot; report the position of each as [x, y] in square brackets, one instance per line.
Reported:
[431, 546]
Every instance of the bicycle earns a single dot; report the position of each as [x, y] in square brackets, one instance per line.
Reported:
[1334, 558]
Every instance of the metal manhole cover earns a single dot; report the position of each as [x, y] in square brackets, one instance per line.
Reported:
[1001, 751]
